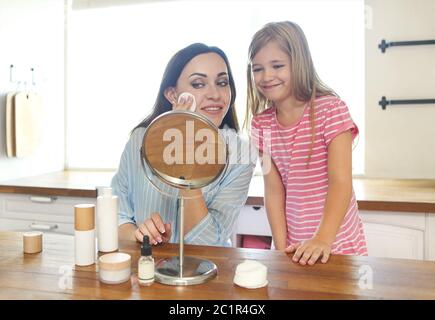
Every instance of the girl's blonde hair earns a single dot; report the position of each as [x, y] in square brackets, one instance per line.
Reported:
[306, 84]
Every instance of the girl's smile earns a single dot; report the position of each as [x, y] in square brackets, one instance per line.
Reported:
[268, 87]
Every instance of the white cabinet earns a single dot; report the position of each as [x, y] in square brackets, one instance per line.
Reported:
[400, 234]
[49, 214]
[395, 234]
[394, 242]
[429, 237]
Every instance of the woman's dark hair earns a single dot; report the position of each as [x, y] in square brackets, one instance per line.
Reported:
[171, 75]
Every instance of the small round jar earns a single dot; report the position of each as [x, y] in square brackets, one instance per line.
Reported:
[32, 242]
[114, 267]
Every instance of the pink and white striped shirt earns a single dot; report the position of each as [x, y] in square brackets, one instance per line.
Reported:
[306, 186]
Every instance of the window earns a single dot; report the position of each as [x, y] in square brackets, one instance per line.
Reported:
[117, 55]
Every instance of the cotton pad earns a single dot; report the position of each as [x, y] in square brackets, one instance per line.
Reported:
[251, 274]
[186, 95]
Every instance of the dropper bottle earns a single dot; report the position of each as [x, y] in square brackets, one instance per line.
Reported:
[146, 263]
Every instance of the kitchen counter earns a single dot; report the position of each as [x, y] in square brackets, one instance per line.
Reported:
[61, 183]
[38, 276]
[372, 194]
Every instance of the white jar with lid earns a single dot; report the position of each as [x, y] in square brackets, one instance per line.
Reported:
[114, 268]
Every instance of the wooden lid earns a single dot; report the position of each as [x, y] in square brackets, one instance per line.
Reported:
[84, 217]
[32, 242]
[114, 261]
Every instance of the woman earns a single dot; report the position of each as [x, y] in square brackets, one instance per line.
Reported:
[204, 72]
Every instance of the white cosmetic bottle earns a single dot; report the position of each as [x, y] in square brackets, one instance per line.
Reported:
[107, 221]
[84, 234]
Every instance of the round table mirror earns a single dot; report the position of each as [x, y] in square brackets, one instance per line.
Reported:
[184, 150]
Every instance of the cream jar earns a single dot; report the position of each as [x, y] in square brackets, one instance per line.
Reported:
[114, 267]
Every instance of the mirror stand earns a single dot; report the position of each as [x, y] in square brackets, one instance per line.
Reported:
[183, 270]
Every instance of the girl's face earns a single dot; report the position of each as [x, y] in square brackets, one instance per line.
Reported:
[271, 68]
[206, 77]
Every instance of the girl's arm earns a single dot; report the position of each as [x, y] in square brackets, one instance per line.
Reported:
[274, 198]
[339, 186]
[196, 209]
[337, 202]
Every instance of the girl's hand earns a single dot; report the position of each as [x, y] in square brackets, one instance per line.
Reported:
[310, 251]
[155, 229]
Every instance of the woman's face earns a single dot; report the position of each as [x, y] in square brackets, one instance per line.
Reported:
[206, 78]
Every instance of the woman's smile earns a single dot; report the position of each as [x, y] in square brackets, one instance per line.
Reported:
[213, 110]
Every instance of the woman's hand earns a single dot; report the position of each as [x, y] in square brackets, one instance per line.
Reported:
[155, 229]
[310, 251]
[186, 102]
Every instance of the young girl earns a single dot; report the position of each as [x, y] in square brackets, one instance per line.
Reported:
[305, 133]
[205, 73]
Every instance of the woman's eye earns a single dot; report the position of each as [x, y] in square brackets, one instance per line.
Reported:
[197, 85]
[223, 83]
[256, 69]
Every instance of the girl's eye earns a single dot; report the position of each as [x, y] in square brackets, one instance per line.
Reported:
[277, 66]
[257, 69]
[197, 85]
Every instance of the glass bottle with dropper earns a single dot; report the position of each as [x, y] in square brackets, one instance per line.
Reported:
[146, 263]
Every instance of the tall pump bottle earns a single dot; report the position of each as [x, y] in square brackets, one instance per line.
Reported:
[107, 221]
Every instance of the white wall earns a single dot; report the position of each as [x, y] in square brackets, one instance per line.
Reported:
[400, 140]
[32, 35]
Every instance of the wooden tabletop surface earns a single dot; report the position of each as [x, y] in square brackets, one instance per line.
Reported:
[39, 276]
[372, 194]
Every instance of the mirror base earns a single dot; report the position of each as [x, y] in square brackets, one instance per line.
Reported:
[195, 271]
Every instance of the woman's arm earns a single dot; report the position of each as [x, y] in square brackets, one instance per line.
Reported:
[196, 207]
[216, 227]
[122, 188]
[274, 198]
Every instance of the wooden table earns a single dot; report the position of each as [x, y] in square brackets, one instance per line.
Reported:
[39, 276]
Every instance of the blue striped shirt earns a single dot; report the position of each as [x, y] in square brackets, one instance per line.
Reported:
[138, 198]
